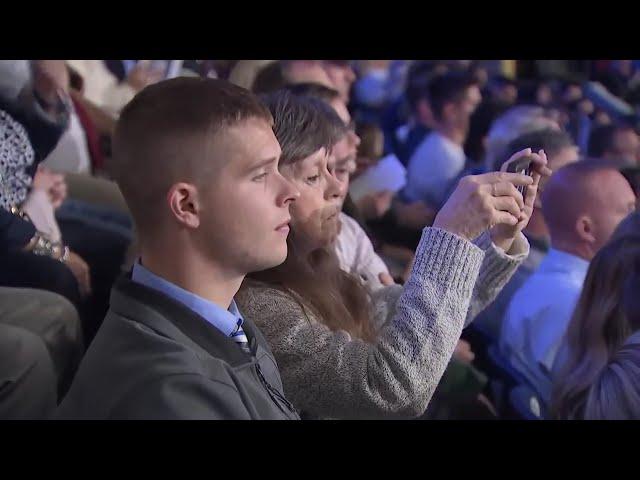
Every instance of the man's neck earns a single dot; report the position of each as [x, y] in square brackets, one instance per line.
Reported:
[195, 274]
[579, 250]
[451, 133]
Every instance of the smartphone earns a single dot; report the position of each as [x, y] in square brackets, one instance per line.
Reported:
[520, 165]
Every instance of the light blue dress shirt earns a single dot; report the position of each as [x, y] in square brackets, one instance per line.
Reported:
[538, 316]
[227, 321]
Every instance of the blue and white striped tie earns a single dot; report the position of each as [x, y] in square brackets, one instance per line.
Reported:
[240, 338]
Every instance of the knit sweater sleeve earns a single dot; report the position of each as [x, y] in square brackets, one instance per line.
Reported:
[497, 268]
[330, 374]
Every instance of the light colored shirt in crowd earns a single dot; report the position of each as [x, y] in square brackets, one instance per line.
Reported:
[71, 155]
[101, 86]
[388, 174]
[356, 254]
[538, 315]
[433, 166]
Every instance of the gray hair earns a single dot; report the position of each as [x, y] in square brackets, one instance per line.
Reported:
[510, 125]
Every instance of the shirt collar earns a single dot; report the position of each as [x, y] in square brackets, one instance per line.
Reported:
[565, 262]
[227, 321]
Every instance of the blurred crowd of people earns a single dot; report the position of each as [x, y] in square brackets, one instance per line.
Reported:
[284, 239]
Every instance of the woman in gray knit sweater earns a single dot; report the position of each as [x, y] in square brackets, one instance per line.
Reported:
[342, 351]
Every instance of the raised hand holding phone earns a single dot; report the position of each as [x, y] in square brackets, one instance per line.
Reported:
[481, 202]
[535, 166]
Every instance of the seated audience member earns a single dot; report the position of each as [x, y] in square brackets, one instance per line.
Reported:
[29, 258]
[405, 139]
[378, 354]
[618, 143]
[27, 379]
[352, 245]
[92, 255]
[459, 392]
[560, 151]
[440, 158]
[196, 160]
[599, 326]
[582, 205]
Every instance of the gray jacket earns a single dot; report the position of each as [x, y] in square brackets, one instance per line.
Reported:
[154, 358]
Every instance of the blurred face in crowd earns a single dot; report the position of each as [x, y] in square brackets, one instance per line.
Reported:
[509, 94]
[601, 118]
[572, 93]
[626, 147]
[342, 161]
[243, 209]
[342, 76]
[307, 71]
[544, 95]
[459, 113]
[314, 215]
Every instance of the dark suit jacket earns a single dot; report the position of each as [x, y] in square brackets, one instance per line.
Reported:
[154, 358]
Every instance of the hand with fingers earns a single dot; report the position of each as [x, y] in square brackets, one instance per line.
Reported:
[503, 234]
[53, 184]
[480, 202]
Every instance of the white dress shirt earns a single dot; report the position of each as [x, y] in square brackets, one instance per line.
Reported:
[356, 254]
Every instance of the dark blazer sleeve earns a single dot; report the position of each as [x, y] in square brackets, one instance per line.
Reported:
[15, 232]
[182, 397]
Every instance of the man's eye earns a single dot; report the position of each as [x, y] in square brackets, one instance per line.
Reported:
[313, 179]
[260, 177]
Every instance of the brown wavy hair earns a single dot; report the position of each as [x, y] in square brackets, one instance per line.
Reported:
[607, 313]
[302, 126]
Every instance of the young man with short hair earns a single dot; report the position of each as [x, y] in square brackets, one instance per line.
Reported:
[197, 162]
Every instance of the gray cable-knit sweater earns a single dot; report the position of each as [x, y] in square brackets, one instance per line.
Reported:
[329, 374]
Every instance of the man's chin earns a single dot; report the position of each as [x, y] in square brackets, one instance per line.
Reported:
[271, 262]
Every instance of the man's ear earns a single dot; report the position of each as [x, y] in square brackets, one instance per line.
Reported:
[184, 204]
[585, 229]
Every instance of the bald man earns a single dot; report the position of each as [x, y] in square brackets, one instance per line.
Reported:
[561, 151]
[582, 205]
